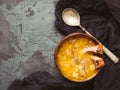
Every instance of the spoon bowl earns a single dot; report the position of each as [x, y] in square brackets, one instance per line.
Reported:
[71, 17]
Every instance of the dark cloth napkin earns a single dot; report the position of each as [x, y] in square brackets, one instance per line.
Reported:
[102, 19]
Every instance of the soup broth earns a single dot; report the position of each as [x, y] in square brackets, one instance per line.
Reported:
[72, 62]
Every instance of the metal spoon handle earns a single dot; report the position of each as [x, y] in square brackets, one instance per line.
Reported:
[111, 55]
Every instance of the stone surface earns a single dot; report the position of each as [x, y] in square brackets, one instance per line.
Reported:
[27, 39]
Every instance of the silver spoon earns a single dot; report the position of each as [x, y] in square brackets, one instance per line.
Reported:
[72, 18]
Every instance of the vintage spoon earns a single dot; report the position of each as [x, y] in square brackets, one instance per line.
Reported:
[72, 18]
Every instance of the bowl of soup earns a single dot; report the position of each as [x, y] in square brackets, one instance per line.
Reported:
[78, 57]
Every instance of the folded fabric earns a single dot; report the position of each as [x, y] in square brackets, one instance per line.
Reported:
[102, 19]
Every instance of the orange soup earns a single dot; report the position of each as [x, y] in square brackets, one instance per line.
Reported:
[73, 61]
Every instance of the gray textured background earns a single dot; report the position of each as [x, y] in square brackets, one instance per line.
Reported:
[27, 39]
